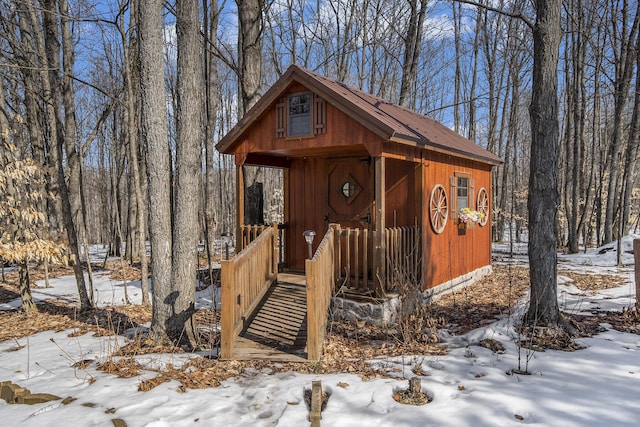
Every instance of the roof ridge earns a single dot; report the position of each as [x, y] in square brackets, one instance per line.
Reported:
[390, 121]
[364, 94]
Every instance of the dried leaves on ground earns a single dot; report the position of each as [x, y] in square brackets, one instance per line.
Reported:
[57, 315]
[483, 303]
[593, 282]
[349, 346]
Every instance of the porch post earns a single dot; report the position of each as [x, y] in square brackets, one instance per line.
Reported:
[239, 206]
[380, 250]
[421, 188]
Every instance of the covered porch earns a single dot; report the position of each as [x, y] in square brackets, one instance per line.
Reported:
[374, 211]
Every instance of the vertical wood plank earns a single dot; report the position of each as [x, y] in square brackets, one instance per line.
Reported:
[389, 255]
[227, 309]
[286, 211]
[347, 256]
[274, 257]
[312, 315]
[239, 207]
[365, 258]
[356, 257]
[380, 243]
[339, 254]
[336, 253]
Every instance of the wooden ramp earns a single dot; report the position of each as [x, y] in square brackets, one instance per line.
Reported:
[277, 329]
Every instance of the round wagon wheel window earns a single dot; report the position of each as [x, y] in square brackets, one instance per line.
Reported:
[483, 205]
[438, 208]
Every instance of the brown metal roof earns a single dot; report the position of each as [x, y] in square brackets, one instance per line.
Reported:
[389, 121]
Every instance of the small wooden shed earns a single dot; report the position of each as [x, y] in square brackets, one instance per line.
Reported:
[392, 181]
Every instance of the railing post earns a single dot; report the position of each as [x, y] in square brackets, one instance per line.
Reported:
[312, 314]
[239, 208]
[365, 258]
[274, 254]
[337, 254]
[228, 303]
[380, 250]
[356, 257]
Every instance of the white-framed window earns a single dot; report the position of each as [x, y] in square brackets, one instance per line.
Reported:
[297, 117]
[299, 114]
[462, 194]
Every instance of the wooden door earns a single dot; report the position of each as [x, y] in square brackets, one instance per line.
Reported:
[350, 193]
[350, 204]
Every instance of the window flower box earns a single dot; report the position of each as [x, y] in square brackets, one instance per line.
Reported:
[468, 218]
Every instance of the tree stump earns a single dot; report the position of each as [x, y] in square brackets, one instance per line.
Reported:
[413, 395]
[415, 387]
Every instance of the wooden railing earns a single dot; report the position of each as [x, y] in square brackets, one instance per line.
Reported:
[320, 277]
[404, 257]
[245, 279]
[354, 257]
[354, 261]
[251, 232]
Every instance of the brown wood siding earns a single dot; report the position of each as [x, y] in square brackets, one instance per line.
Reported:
[400, 194]
[451, 254]
[305, 210]
[342, 137]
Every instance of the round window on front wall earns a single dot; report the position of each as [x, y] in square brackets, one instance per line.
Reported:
[348, 189]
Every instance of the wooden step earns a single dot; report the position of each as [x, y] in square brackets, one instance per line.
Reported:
[278, 326]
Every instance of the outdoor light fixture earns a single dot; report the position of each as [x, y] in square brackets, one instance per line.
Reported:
[226, 238]
[308, 237]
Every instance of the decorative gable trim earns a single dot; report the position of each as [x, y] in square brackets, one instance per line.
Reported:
[281, 117]
[319, 115]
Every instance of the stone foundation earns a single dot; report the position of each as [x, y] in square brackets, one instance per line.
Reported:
[385, 312]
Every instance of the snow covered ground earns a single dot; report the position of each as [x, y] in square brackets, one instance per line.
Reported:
[597, 386]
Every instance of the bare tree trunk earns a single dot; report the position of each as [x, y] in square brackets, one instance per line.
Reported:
[250, 52]
[413, 42]
[154, 134]
[74, 158]
[624, 72]
[72, 152]
[38, 82]
[344, 25]
[631, 157]
[474, 79]
[28, 305]
[51, 87]
[250, 72]
[188, 170]
[210, 217]
[543, 178]
[134, 170]
[456, 8]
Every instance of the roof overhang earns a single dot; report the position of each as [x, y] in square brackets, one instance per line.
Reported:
[346, 100]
